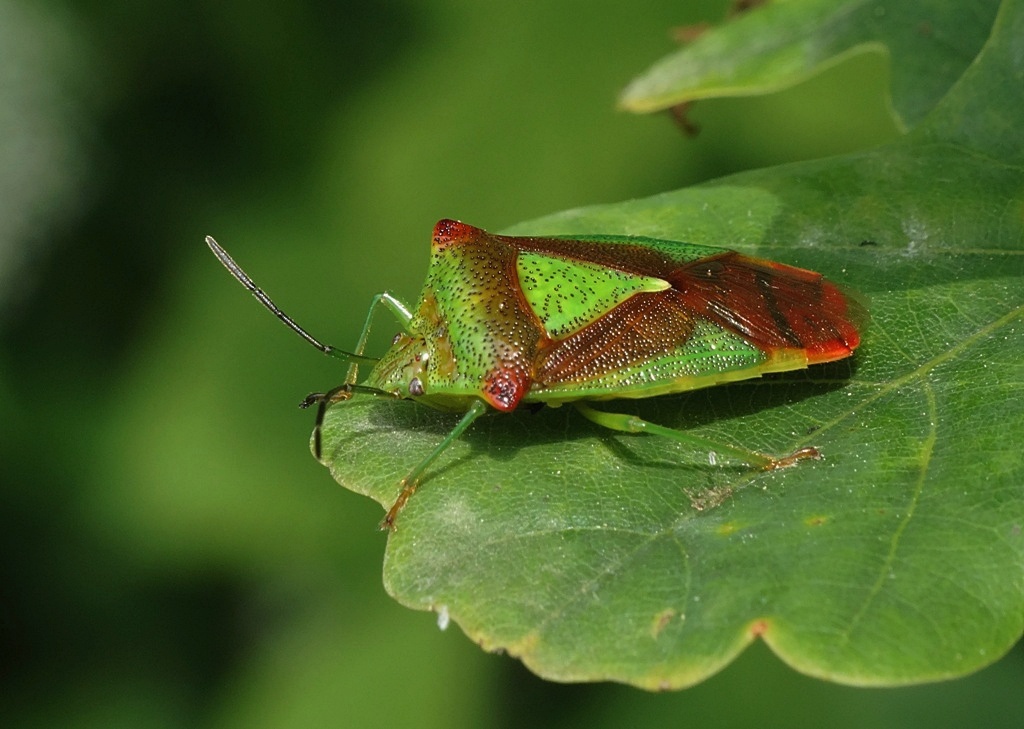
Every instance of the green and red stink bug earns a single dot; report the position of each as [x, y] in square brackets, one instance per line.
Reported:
[505, 320]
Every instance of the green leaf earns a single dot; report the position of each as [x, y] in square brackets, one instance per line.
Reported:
[929, 44]
[897, 559]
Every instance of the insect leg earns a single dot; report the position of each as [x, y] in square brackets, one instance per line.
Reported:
[323, 400]
[411, 481]
[633, 424]
[402, 314]
[344, 391]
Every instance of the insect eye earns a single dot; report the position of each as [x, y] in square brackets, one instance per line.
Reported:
[396, 339]
[415, 387]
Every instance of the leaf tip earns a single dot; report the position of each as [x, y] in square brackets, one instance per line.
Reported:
[758, 628]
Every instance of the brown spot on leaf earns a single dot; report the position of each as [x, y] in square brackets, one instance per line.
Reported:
[661, 620]
[759, 628]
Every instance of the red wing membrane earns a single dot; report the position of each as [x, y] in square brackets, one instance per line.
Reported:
[772, 305]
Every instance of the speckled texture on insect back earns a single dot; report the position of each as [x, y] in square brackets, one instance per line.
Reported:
[557, 319]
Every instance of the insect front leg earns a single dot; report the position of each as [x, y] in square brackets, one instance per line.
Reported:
[324, 400]
[401, 313]
[411, 481]
[632, 424]
[344, 391]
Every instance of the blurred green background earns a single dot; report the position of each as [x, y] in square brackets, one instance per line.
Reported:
[172, 554]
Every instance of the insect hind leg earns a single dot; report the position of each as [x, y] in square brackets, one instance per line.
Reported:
[626, 423]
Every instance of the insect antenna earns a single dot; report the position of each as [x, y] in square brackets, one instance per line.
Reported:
[243, 278]
[324, 399]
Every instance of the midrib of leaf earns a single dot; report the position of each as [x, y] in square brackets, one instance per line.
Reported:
[924, 368]
[612, 569]
[927, 448]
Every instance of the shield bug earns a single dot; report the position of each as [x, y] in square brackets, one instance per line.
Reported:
[504, 321]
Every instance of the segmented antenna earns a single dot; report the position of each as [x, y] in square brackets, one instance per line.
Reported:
[321, 399]
[243, 278]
